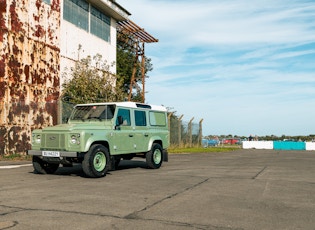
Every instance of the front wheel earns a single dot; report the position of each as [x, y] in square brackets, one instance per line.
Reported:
[96, 161]
[154, 157]
[43, 167]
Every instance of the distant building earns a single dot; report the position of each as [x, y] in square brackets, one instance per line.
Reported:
[38, 40]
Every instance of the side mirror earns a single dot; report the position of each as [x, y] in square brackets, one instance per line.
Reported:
[120, 120]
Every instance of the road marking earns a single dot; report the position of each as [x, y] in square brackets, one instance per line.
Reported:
[13, 166]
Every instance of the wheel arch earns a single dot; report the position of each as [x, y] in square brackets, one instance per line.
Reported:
[104, 143]
[155, 140]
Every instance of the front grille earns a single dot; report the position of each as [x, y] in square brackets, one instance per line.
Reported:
[53, 141]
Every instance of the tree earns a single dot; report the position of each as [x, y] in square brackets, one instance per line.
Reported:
[90, 79]
[126, 61]
[89, 83]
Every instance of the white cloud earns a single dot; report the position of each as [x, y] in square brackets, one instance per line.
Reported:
[241, 65]
[221, 22]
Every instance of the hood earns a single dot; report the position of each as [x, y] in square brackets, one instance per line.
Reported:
[78, 126]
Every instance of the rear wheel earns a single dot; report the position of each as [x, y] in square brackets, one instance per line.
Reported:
[154, 157]
[43, 167]
[96, 161]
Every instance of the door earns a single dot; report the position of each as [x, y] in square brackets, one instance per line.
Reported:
[123, 135]
[141, 131]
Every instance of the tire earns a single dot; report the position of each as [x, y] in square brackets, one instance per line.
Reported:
[154, 157]
[43, 167]
[96, 161]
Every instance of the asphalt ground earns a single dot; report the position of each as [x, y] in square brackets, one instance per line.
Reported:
[243, 189]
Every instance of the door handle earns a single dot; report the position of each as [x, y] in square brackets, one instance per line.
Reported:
[130, 135]
[146, 134]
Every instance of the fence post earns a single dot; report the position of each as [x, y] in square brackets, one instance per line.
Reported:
[169, 126]
[190, 131]
[180, 129]
[200, 132]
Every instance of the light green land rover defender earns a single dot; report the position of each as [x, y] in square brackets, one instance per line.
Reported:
[99, 135]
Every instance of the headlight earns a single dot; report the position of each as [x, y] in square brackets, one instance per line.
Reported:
[75, 139]
[36, 138]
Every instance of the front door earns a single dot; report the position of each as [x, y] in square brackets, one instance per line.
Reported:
[123, 136]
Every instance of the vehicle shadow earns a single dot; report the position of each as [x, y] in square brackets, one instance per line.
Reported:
[130, 164]
[76, 169]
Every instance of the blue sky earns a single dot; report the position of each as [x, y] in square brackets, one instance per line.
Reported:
[244, 66]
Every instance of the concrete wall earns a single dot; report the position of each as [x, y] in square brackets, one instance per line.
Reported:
[257, 144]
[72, 37]
[279, 145]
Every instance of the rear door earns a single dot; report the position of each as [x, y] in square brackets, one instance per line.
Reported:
[141, 131]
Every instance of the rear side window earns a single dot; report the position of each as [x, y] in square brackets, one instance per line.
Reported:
[125, 114]
[157, 118]
[140, 118]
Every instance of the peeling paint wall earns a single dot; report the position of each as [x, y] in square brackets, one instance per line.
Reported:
[29, 70]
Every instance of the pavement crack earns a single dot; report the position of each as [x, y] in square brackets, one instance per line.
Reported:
[19, 209]
[8, 224]
[260, 172]
[134, 215]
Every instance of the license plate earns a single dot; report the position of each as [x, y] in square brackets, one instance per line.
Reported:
[51, 154]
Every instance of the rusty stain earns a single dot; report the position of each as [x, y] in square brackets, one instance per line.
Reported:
[16, 24]
[3, 6]
[29, 70]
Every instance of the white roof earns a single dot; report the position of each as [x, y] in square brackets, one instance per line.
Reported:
[130, 104]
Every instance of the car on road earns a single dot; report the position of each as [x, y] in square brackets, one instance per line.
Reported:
[232, 141]
[210, 142]
[99, 135]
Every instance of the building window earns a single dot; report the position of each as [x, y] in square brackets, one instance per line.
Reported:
[100, 24]
[87, 17]
[77, 12]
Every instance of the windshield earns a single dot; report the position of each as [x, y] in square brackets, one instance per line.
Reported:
[86, 112]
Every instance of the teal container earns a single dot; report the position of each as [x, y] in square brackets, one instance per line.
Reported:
[289, 145]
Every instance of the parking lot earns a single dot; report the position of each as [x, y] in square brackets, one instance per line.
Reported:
[243, 189]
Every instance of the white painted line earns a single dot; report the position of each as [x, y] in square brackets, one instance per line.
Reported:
[14, 166]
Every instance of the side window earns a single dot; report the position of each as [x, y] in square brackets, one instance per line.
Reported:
[125, 114]
[140, 118]
[157, 119]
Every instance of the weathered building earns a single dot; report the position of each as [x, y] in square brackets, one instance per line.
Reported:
[38, 40]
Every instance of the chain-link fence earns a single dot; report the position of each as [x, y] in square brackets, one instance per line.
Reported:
[184, 133]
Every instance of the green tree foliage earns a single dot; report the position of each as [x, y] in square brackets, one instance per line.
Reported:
[126, 60]
[90, 81]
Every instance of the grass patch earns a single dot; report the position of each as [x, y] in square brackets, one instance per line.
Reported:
[15, 157]
[203, 150]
